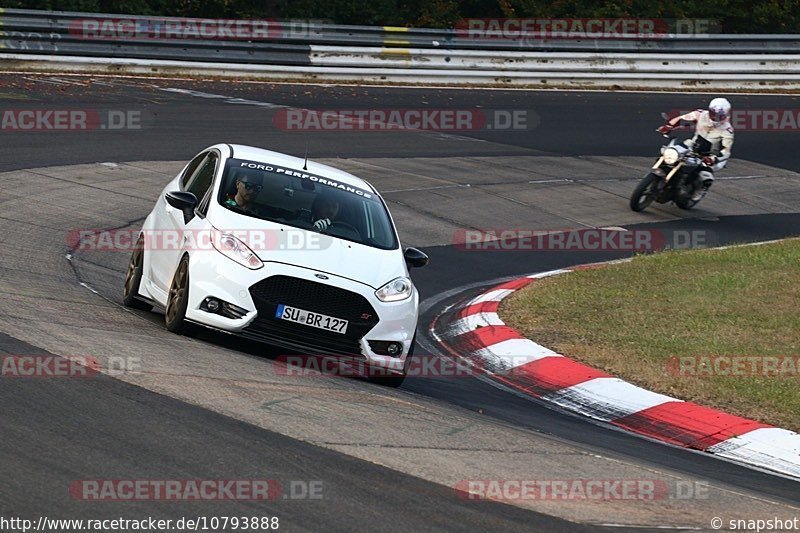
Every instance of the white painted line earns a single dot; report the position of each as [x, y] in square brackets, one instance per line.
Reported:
[455, 186]
[564, 180]
[228, 99]
[67, 82]
[40, 80]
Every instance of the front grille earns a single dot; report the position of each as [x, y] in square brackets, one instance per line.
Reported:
[310, 296]
[297, 337]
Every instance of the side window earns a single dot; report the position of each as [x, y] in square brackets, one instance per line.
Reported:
[378, 224]
[190, 168]
[202, 207]
[201, 181]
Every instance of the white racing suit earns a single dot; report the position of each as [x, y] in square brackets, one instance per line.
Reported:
[709, 138]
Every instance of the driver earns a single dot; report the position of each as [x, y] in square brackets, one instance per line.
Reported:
[713, 133]
[248, 185]
[323, 210]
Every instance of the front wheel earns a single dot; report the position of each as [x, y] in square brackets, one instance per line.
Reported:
[178, 299]
[643, 194]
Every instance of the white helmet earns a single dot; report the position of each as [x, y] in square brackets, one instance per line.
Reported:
[719, 110]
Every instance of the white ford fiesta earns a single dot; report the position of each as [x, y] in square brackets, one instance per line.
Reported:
[289, 252]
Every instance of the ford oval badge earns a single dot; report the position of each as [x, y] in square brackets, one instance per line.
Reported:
[321, 276]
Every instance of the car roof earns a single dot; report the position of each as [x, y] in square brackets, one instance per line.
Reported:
[260, 155]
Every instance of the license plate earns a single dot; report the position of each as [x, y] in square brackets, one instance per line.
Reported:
[316, 320]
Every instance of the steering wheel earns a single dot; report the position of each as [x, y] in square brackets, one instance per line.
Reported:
[345, 225]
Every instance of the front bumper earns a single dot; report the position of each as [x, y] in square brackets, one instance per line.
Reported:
[259, 291]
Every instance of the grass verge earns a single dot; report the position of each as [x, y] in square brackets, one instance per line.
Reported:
[637, 320]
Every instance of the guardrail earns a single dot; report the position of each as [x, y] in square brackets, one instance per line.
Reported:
[40, 40]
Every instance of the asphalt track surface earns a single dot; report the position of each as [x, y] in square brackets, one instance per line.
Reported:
[559, 122]
[60, 431]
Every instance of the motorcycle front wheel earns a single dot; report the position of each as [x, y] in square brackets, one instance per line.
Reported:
[643, 194]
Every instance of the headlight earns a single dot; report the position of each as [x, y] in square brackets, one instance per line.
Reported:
[395, 291]
[234, 249]
[671, 156]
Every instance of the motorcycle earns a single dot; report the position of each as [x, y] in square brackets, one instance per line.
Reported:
[671, 179]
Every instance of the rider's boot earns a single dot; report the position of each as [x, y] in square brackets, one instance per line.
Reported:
[704, 182]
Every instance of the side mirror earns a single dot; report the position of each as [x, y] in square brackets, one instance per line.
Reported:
[415, 258]
[184, 201]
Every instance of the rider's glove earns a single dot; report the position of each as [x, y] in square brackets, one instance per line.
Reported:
[666, 128]
[322, 224]
[710, 160]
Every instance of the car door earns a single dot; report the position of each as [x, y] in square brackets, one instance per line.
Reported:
[169, 244]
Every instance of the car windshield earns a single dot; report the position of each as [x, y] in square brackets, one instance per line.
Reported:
[305, 200]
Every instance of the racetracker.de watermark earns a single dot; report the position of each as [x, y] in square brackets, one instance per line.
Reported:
[176, 490]
[734, 366]
[127, 240]
[580, 490]
[582, 240]
[154, 28]
[71, 120]
[749, 119]
[420, 366]
[67, 366]
[259, 522]
[522, 29]
[424, 119]
[48, 366]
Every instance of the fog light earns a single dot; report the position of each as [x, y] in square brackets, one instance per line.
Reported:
[222, 308]
[390, 348]
[213, 305]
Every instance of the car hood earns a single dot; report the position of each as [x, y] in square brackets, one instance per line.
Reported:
[278, 243]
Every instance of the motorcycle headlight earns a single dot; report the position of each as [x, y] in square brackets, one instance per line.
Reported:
[234, 249]
[671, 156]
[395, 291]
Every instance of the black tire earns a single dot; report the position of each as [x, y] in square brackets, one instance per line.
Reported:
[133, 279]
[178, 300]
[640, 199]
[395, 381]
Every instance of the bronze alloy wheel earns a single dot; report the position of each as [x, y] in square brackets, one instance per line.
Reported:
[178, 299]
[133, 278]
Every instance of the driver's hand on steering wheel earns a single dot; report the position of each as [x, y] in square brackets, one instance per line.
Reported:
[322, 224]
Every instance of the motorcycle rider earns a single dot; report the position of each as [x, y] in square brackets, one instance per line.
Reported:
[713, 135]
